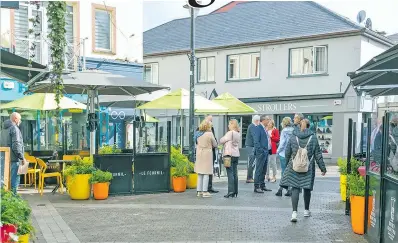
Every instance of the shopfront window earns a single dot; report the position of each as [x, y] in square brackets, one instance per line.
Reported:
[322, 126]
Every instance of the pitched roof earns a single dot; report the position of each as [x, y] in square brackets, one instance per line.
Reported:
[248, 22]
[393, 37]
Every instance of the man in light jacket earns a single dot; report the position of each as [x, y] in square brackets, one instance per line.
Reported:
[250, 148]
[11, 137]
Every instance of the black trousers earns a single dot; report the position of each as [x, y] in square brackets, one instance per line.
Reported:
[232, 173]
[210, 187]
[296, 196]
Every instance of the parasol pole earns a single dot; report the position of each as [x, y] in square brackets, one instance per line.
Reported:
[91, 95]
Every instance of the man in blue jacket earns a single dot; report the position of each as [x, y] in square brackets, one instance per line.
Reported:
[251, 130]
[262, 144]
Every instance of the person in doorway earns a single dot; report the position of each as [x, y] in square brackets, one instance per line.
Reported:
[250, 148]
[273, 134]
[287, 131]
[204, 157]
[302, 139]
[11, 137]
[231, 148]
[262, 145]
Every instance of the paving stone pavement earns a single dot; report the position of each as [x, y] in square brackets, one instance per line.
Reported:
[183, 217]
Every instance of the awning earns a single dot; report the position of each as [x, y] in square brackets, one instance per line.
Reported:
[16, 67]
[379, 76]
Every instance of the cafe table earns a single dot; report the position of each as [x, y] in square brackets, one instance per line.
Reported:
[61, 163]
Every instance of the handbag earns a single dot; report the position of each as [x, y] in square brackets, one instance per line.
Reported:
[227, 158]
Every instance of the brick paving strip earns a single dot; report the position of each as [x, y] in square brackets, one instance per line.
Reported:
[52, 227]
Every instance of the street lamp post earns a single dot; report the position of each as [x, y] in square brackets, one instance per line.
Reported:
[192, 60]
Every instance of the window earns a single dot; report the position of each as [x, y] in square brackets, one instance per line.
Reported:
[308, 60]
[151, 73]
[23, 40]
[104, 25]
[244, 66]
[206, 68]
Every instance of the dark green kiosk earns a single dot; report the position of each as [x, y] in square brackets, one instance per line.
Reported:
[378, 77]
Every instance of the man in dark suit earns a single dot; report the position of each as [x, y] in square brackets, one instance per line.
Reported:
[210, 189]
[250, 147]
[262, 145]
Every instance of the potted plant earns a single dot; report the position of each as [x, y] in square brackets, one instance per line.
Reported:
[180, 177]
[77, 178]
[192, 179]
[175, 156]
[356, 187]
[100, 181]
[15, 218]
[342, 164]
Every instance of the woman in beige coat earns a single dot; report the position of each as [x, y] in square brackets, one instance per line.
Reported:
[204, 157]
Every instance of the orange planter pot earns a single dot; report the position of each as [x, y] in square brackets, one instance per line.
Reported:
[101, 190]
[179, 184]
[358, 213]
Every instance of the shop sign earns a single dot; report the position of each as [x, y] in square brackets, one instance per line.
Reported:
[276, 107]
[75, 110]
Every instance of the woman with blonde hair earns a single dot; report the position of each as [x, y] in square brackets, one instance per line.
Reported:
[287, 131]
[273, 133]
[204, 157]
[231, 156]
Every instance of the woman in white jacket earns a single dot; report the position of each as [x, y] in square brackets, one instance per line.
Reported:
[231, 149]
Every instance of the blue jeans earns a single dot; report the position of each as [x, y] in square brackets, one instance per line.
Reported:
[15, 179]
[283, 163]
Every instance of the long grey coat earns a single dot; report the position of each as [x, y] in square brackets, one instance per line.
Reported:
[302, 180]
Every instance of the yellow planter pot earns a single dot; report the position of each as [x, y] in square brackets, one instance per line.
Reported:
[78, 187]
[192, 181]
[172, 170]
[343, 187]
[23, 238]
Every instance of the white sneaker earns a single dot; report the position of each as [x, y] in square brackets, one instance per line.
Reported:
[206, 194]
[307, 213]
[294, 217]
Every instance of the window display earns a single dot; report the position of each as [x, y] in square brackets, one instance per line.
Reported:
[322, 126]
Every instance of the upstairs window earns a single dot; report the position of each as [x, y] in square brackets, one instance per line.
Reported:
[104, 25]
[308, 60]
[244, 66]
[206, 69]
[151, 73]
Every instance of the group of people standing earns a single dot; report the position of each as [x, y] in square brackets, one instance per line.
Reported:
[295, 144]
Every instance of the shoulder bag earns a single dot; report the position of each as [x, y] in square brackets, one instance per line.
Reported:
[227, 158]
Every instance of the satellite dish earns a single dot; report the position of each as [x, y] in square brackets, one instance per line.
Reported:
[361, 16]
[368, 23]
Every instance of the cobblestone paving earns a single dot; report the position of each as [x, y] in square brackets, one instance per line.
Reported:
[185, 218]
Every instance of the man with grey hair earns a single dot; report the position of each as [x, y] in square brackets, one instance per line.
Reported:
[262, 145]
[11, 137]
[250, 147]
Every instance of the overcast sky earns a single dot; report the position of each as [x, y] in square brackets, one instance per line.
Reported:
[382, 12]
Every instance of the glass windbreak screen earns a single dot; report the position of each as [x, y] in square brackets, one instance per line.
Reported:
[391, 169]
[376, 139]
[151, 137]
[374, 208]
[391, 214]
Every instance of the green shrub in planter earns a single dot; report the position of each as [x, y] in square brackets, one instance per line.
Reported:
[99, 176]
[109, 149]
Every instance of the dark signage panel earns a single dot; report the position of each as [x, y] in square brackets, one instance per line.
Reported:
[391, 214]
[151, 173]
[120, 165]
[9, 4]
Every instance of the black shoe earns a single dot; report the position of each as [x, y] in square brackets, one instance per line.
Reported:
[230, 194]
[265, 189]
[212, 191]
[288, 193]
[258, 190]
[279, 193]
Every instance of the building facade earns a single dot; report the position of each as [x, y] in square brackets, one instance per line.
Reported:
[277, 77]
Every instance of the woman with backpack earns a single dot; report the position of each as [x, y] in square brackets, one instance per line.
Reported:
[302, 151]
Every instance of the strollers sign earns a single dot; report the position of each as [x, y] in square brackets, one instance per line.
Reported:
[276, 107]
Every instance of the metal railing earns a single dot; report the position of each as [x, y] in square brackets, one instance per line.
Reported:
[41, 50]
